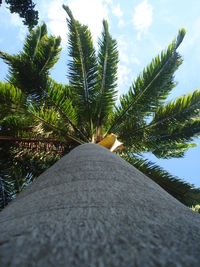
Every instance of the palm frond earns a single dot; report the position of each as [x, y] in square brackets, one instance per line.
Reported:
[168, 150]
[14, 118]
[61, 98]
[29, 69]
[52, 121]
[12, 176]
[32, 41]
[58, 96]
[82, 69]
[107, 68]
[10, 95]
[21, 163]
[179, 111]
[178, 188]
[151, 87]
[174, 126]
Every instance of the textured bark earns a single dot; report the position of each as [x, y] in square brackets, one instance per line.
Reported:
[94, 209]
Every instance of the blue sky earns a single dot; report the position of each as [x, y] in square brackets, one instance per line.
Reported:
[142, 29]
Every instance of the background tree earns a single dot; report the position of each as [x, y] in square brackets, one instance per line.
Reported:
[26, 10]
[42, 120]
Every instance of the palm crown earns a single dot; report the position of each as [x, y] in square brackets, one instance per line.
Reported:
[41, 120]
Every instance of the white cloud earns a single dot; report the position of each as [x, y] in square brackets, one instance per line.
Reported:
[124, 52]
[108, 2]
[55, 17]
[125, 66]
[117, 11]
[123, 49]
[89, 12]
[142, 18]
[135, 60]
[124, 78]
[15, 20]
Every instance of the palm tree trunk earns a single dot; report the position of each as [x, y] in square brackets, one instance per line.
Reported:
[94, 209]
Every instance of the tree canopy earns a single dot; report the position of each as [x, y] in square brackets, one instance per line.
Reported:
[26, 10]
[41, 120]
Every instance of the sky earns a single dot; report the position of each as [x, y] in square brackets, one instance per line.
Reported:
[142, 28]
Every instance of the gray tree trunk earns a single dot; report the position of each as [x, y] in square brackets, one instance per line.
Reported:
[94, 209]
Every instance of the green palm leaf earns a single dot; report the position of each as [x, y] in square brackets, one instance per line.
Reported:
[20, 165]
[174, 126]
[58, 96]
[169, 149]
[82, 69]
[28, 70]
[178, 111]
[32, 41]
[151, 87]
[10, 96]
[180, 189]
[61, 98]
[15, 120]
[107, 66]
[52, 121]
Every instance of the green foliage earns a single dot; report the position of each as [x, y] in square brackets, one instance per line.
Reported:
[181, 190]
[107, 79]
[14, 120]
[29, 70]
[11, 99]
[151, 87]
[22, 163]
[41, 120]
[82, 69]
[26, 10]
[60, 97]
[174, 126]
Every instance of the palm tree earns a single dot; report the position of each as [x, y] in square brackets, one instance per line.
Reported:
[41, 120]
